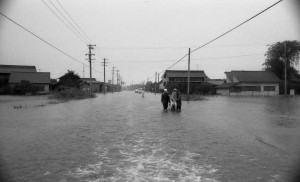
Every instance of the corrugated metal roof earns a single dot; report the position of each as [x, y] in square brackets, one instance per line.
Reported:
[16, 68]
[256, 76]
[32, 77]
[184, 73]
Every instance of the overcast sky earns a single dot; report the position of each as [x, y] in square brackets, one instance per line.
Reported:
[141, 37]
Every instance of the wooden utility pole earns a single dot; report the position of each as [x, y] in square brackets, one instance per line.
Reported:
[118, 80]
[188, 78]
[104, 65]
[90, 60]
[158, 80]
[155, 82]
[112, 79]
[83, 71]
[285, 74]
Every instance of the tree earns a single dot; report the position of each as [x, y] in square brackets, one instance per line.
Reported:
[23, 88]
[68, 80]
[276, 55]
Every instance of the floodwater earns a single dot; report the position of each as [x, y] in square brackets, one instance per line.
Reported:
[124, 137]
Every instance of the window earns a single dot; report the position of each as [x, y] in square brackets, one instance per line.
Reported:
[251, 88]
[269, 88]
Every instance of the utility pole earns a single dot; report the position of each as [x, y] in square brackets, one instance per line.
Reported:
[188, 78]
[104, 86]
[117, 79]
[90, 60]
[285, 75]
[158, 80]
[82, 70]
[112, 79]
[155, 82]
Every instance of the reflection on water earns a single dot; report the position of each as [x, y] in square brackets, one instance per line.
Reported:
[124, 137]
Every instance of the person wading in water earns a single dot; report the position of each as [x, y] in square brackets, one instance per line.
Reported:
[165, 99]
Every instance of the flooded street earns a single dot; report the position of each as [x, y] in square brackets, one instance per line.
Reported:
[124, 137]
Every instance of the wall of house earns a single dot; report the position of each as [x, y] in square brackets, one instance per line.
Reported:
[262, 92]
[262, 86]
[223, 91]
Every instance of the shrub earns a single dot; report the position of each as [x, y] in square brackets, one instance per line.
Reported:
[71, 93]
[23, 88]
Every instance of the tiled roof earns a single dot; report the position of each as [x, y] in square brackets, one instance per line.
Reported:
[184, 73]
[16, 68]
[32, 77]
[88, 79]
[255, 76]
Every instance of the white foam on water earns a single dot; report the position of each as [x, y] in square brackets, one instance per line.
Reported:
[139, 160]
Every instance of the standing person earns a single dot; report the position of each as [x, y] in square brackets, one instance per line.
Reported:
[165, 99]
[173, 100]
[178, 101]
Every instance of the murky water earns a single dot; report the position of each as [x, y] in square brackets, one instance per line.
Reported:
[124, 137]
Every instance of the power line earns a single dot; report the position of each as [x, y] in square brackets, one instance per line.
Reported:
[227, 57]
[179, 47]
[84, 41]
[88, 38]
[225, 33]
[175, 63]
[69, 22]
[236, 26]
[44, 40]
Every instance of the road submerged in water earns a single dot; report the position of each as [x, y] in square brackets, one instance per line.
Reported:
[125, 137]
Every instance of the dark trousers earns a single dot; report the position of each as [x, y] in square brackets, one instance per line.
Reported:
[165, 105]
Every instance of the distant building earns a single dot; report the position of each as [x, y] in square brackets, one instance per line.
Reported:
[250, 83]
[39, 79]
[96, 85]
[181, 76]
[216, 82]
[14, 74]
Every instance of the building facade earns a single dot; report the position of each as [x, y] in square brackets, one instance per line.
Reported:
[181, 76]
[11, 75]
[253, 83]
[39, 79]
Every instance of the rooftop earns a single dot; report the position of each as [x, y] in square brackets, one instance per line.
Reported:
[16, 68]
[253, 76]
[32, 77]
[184, 73]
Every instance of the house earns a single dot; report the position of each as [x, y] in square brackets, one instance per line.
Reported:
[85, 85]
[39, 79]
[181, 76]
[250, 83]
[13, 74]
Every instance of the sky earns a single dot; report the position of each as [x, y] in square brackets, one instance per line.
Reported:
[142, 37]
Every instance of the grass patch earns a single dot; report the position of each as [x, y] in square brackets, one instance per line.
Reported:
[19, 106]
[70, 94]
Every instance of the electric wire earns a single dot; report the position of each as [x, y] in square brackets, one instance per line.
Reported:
[78, 33]
[45, 41]
[63, 21]
[74, 22]
[237, 26]
[226, 32]
[159, 61]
